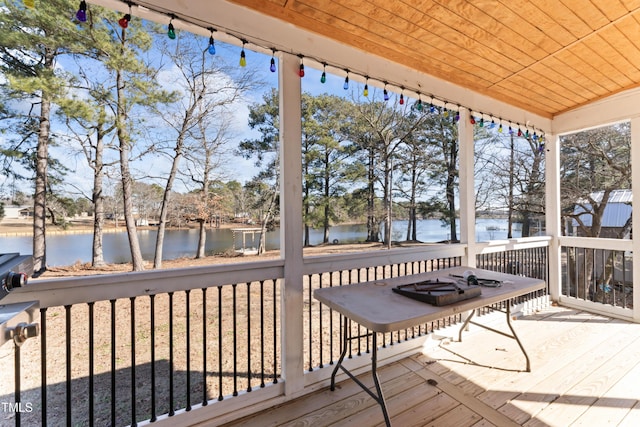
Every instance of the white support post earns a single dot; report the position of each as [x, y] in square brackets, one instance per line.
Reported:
[635, 188]
[291, 222]
[553, 217]
[467, 187]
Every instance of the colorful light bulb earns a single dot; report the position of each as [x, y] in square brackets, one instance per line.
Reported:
[457, 117]
[323, 77]
[212, 47]
[272, 66]
[171, 31]
[401, 102]
[124, 21]
[472, 120]
[519, 132]
[243, 57]
[345, 86]
[81, 14]
[481, 122]
[385, 94]
[365, 92]
[500, 128]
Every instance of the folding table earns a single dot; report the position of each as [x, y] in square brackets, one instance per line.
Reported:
[375, 306]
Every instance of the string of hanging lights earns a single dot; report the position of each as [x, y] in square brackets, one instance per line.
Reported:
[436, 105]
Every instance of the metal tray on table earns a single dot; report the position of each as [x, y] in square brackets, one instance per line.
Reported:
[438, 291]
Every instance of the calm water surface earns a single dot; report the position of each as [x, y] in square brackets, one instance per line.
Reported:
[66, 249]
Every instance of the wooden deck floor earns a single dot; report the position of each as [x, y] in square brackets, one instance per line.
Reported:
[585, 372]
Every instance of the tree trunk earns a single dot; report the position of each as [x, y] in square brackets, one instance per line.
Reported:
[202, 239]
[372, 224]
[97, 258]
[325, 237]
[450, 189]
[526, 224]
[307, 202]
[129, 217]
[40, 195]
[162, 225]
[414, 219]
[327, 194]
[388, 178]
[413, 223]
[306, 230]
[267, 217]
[325, 221]
[166, 199]
[125, 172]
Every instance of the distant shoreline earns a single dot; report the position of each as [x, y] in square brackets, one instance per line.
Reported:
[13, 227]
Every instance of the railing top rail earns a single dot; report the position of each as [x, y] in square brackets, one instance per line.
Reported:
[513, 244]
[597, 243]
[349, 261]
[74, 290]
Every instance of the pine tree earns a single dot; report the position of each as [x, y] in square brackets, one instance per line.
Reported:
[32, 42]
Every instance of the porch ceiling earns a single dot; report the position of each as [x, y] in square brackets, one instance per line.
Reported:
[544, 56]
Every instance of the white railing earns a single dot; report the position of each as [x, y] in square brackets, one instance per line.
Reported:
[597, 275]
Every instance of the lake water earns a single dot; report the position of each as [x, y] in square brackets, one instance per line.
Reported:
[66, 249]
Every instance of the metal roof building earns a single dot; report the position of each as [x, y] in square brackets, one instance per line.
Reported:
[616, 213]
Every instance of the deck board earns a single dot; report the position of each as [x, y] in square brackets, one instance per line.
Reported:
[585, 371]
[607, 410]
[574, 361]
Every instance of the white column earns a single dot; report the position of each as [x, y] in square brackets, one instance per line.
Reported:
[552, 212]
[635, 188]
[291, 222]
[467, 187]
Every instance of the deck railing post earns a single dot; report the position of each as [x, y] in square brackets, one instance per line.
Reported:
[635, 188]
[467, 188]
[552, 213]
[291, 223]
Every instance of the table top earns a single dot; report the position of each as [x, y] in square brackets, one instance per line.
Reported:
[375, 306]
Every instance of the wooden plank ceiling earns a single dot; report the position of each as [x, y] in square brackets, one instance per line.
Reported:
[546, 56]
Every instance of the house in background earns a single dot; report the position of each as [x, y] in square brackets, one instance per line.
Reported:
[617, 213]
[17, 212]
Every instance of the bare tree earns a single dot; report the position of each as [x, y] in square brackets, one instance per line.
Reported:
[203, 163]
[206, 89]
